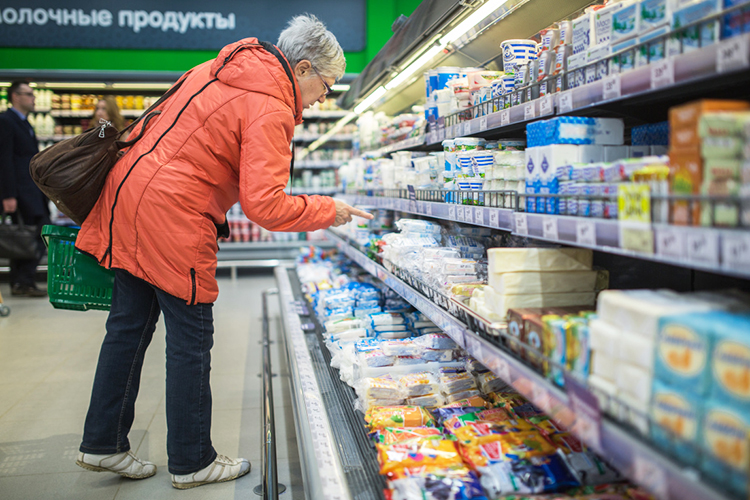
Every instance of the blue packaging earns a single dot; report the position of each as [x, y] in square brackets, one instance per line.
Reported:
[737, 22]
[730, 361]
[683, 345]
[677, 416]
[726, 446]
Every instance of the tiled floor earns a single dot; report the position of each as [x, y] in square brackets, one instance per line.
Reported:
[47, 363]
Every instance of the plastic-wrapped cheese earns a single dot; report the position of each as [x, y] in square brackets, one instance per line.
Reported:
[543, 282]
[505, 260]
[604, 337]
[500, 303]
[636, 382]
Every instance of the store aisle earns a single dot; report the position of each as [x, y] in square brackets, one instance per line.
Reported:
[47, 363]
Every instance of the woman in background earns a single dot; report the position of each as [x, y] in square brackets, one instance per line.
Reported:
[106, 109]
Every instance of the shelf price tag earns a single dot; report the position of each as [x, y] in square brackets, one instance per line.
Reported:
[479, 215]
[703, 246]
[732, 54]
[483, 124]
[634, 213]
[565, 103]
[504, 117]
[529, 111]
[441, 134]
[586, 233]
[521, 226]
[540, 396]
[588, 424]
[546, 106]
[736, 251]
[670, 243]
[460, 213]
[651, 476]
[452, 212]
[662, 73]
[428, 208]
[467, 127]
[549, 228]
[494, 219]
[468, 215]
[611, 87]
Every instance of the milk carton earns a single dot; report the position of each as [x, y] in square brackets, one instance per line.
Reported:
[532, 174]
[697, 36]
[654, 14]
[583, 33]
[676, 417]
[603, 23]
[730, 361]
[726, 446]
[550, 159]
[683, 346]
[626, 22]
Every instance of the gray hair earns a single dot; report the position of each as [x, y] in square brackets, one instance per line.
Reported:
[306, 38]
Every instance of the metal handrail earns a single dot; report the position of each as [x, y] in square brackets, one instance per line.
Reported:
[269, 487]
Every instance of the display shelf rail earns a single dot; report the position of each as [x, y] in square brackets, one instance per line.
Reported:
[620, 446]
[724, 251]
[317, 164]
[321, 465]
[314, 114]
[315, 137]
[326, 190]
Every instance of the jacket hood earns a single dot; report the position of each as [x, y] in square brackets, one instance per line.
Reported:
[246, 64]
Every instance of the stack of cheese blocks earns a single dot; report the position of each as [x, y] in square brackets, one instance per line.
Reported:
[623, 340]
[536, 277]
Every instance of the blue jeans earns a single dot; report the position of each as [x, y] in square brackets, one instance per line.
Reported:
[135, 310]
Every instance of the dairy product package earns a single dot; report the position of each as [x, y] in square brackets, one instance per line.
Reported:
[737, 22]
[543, 282]
[501, 303]
[604, 337]
[727, 449]
[538, 259]
[635, 381]
[583, 32]
[654, 14]
[682, 351]
[604, 390]
[698, 36]
[651, 52]
[532, 172]
[550, 158]
[730, 360]
[676, 416]
[633, 411]
[639, 311]
[603, 23]
[604, 366]
[637, 350]
[626, 22]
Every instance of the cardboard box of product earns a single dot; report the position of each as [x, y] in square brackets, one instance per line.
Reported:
[687, 115]
[727, 450]
[677, 417]
[685, 177]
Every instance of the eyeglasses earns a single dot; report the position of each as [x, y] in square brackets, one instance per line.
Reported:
[328, 87]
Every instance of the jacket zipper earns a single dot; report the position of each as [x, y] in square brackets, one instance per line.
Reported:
[117, 193]
[192, 279]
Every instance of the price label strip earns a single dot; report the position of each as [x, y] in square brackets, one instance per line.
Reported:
[662, 73]
[479, 216]
[505, 118]
[611, 87]
[329, 467]
[586, 233]
[702, 246]
[529, 111]
[735, 250]
[588, 422]
[670, 243]
[549, 228]
[546, 106]
[520, 224]
[634, 213]
[732, 55]
[494, 218]
[565, 102]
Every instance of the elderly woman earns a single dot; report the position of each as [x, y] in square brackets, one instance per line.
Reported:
[223, 136]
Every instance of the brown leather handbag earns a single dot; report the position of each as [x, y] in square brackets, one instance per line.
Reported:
[72, 172]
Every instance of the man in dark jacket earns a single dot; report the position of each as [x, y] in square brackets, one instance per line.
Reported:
[18, 145]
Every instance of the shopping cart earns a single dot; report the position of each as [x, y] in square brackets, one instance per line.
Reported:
[74, 280]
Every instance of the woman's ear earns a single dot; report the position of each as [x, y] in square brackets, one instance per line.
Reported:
[303, 68]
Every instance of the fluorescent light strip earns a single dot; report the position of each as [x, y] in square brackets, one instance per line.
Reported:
[340, 87]
[470, 22]
[142, 86]
[71, 85]
[414, 67]
[369, 100]
[333, 131]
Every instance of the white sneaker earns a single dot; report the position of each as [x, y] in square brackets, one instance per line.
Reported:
[125, 464]
[222, 469]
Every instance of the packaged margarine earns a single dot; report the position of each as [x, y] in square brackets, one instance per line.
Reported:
[730, 361]
[676, 417]
[726, 442]
[682, 352]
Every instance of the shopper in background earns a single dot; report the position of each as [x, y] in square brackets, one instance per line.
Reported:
[107, 110]
[18, 144]
[223, 136]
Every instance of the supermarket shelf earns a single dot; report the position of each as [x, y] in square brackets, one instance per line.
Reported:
[308, 114]
[632, 456]
[720, 251]
[319, 190]
[315, 137]
[88, 113]
[695, 74]
[409, 143]
[321, 465]
[312, 165]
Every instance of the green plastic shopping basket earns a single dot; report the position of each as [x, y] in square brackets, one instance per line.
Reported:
[74, 280]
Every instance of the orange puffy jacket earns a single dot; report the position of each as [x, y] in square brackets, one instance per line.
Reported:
[223, 136]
